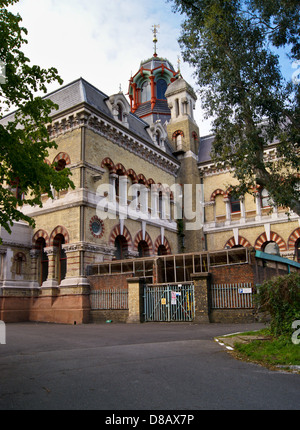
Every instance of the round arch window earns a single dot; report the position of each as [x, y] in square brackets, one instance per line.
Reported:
[97, 227]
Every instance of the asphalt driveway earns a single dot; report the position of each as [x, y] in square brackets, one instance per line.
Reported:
[118, 367]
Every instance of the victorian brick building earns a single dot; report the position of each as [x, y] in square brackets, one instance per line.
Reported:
[130, 152]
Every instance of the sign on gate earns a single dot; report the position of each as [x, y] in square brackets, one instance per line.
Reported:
[2, 333]
[169, 302]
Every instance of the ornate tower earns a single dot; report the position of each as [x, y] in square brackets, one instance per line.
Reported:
[148, 86]
[183, 133]
[161, 97]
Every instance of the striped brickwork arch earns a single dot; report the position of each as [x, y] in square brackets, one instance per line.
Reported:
[43, 234]
[59, 230]
[165, 243]
[177, 133]
[150, 182]
[274, 237]
[120, 169]
[142, 179]
[107, 162]
[132, 175]
[116, 231]
[139, 238]
[242, 242]
[216, 193]
[62, 156]
[294, 237]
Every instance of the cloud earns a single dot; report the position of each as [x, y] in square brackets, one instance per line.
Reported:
[103, 41]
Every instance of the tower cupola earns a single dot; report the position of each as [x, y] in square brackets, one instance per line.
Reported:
[147, 88]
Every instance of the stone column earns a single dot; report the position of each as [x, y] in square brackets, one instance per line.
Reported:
[34, 255]
[75, 281]
[154, 203]
[112, 183]
[52, 268]
[228, 210]
[202, 291]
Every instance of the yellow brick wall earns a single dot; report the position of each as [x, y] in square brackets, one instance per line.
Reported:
[68, 218]
[98, 148]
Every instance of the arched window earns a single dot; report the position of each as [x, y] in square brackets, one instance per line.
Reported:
[120, 112]
[20, 260]
[61, 164]
[43, 260]
[162, 250]
[146, 92]
[177, 112]
[178, 138]
[160, 204]
[157, 137]
[59, 240]
[143, 249]
[121, 247]
[161, 86]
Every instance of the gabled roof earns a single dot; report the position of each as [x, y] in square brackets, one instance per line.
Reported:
[80, 92]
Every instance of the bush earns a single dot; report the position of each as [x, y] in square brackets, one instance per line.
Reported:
[280, 298]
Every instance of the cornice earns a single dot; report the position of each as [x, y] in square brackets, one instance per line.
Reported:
[86, 117]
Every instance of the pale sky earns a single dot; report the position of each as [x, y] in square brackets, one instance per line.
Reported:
[102, 41]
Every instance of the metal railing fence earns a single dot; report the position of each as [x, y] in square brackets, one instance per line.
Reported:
[232, 296]
[115, 299]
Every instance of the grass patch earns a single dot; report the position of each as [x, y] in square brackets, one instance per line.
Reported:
[271, 352]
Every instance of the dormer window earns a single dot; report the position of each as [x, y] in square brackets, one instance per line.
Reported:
[119, 108]
[158, 138]
[120, 112]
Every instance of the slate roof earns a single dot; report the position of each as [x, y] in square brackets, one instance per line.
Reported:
[161, 106]
[81, 91]
[154, 62]
[205, 148]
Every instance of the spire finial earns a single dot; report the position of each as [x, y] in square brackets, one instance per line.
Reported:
[155, 31]
[179, 63]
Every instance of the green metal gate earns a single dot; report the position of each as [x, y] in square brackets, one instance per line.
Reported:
[169, 302]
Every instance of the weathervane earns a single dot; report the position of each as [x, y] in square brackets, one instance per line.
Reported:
[155, 31]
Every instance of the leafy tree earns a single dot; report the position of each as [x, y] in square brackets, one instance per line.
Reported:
[280, 299]
[231, 45]
[24, 140]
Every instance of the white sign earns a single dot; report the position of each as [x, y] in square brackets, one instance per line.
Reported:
[173, 297]
[2, 333]
[245, 290]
